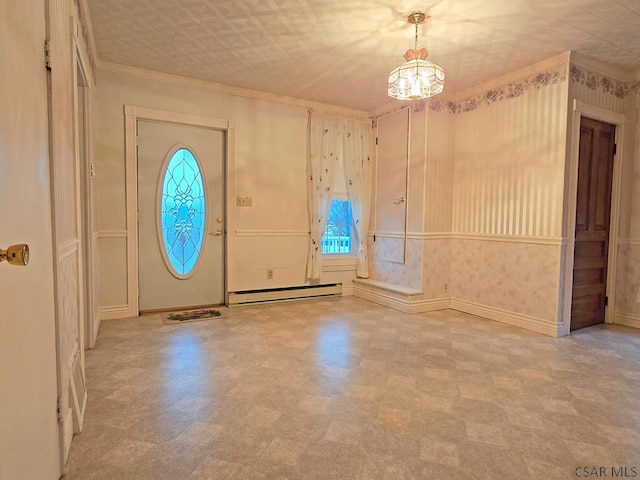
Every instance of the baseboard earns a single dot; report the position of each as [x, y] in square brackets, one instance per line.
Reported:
[403, 302]
[115, 312]
[67, 427]
[381, 299]
[527, 322]
[626, 319]
[347, 291]
[430, 305]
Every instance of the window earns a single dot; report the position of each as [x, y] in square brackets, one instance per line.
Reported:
[337, 235]
[182, 212]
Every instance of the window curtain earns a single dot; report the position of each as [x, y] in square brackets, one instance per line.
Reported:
[324, 148]
[358, 171]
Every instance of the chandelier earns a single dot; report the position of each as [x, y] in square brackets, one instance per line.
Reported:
[418, 77]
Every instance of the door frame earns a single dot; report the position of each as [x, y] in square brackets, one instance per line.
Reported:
[581, 109]
[132, 115]
[89, 316]
[374, 198]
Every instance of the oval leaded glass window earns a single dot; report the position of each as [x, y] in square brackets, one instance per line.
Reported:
[182, 212]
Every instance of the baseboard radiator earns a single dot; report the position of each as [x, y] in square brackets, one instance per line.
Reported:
[282, 294]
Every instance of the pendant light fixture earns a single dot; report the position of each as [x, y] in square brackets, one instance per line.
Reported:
[418, 77]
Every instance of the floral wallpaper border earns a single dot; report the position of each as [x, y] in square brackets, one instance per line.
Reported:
[591, 80]
[511, 90]
[602, 83]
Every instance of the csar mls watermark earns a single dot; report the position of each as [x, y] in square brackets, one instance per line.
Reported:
[606, 472]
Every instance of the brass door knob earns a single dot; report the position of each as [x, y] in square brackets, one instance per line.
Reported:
[16, 254]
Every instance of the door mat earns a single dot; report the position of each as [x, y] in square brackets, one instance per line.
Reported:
[190, 316]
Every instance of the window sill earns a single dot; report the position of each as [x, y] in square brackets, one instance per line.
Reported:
[336, 262]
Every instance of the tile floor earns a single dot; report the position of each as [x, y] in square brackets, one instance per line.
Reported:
[341, 388]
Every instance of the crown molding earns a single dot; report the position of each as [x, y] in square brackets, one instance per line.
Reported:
[548, 64]
[625, 75]
[117, 68]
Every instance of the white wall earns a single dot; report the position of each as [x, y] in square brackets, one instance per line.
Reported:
[270, 166]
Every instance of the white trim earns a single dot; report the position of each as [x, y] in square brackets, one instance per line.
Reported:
[533, 240]
[347, 290]
[602, 68]
[67, 249]
[403, 299]
[111, 234]
[92, 43]
[390, 287]
[430, 235]
[549, 63]
[272, 233]
[338, 263]
[406, 186]
[628, 241]
[487, 237]
[627, 319]
[387, 234]
[582, 109]
[405, 305]
[114, 312]
[67, 428]
[132, 115]
[546, 327]
[228, 90]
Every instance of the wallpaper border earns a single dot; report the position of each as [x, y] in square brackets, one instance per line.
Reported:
[602, 83]
[497, 94]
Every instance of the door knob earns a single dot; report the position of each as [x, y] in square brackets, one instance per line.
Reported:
[16, 254]
[398, 201]
[217, 233]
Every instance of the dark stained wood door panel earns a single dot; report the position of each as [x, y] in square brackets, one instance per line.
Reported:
[595, 173]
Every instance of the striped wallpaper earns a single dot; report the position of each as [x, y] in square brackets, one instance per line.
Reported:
[509, 167]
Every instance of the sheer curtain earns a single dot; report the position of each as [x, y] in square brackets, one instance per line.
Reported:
[324, 148]
[358, 170]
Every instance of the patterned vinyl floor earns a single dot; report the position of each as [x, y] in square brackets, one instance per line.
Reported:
[340, 388]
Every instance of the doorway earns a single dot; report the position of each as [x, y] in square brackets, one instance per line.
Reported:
[592, 223]
[180, 184]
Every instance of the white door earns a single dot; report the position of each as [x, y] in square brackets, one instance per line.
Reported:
[180, 216]
[29, 441]
[392, 164]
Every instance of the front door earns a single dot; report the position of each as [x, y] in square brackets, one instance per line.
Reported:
[180, 216]
[593, 209]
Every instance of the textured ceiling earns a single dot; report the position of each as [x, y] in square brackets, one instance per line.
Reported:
[340, 51]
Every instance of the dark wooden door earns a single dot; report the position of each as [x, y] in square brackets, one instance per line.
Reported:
[593, 209]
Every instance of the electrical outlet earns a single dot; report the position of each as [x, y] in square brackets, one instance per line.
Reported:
[244, 201]
[446, 287]
[269, 273]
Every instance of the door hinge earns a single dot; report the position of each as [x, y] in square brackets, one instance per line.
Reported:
[606, 301]
[376, 140]
[47, 54]
[615, 148]
[59, 410]
[374, 237]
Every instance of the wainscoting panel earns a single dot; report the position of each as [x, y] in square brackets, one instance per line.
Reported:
[515, 277]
